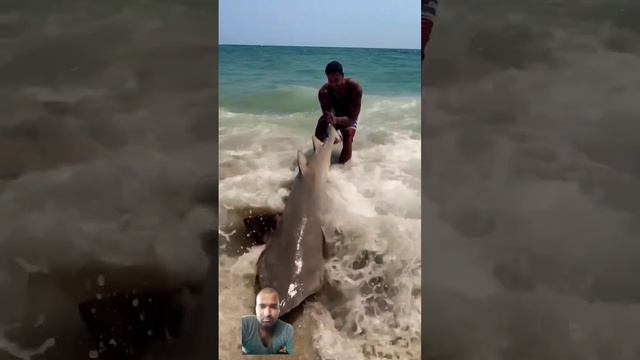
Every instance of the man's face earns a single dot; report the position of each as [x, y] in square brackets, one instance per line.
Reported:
[335, 80]
[267, 309]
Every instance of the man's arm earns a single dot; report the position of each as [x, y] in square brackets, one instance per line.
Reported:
[345, 121]
[325, 101]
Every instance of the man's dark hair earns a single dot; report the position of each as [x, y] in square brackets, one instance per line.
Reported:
[333, 67]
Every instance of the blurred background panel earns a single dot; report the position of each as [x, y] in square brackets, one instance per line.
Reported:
[531, 179]
[108, 171]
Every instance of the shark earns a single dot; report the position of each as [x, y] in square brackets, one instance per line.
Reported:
[293, 260]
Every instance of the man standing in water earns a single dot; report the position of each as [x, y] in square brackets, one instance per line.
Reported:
[340, 101]
[264, 333]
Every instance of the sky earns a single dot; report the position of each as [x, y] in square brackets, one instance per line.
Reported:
[339, 23]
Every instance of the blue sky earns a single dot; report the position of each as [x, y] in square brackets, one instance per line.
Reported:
[348, 23]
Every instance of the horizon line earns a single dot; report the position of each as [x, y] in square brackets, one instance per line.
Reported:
[320, 46]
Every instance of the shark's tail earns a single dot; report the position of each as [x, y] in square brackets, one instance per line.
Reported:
[334, 138]
[333, 135]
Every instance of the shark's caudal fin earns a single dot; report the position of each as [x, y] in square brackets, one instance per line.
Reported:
[333, 134]
[317, 144]
[302, 163]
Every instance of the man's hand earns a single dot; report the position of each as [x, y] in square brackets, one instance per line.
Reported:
[331, 119]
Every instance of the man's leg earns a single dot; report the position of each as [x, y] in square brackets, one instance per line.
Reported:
[347, 140]
[321, 129]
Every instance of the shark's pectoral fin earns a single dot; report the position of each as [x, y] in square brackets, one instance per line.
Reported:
[302, 163]
[317, 144]
[325, 248]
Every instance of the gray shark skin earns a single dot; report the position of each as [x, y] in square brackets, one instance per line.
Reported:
[293, 260]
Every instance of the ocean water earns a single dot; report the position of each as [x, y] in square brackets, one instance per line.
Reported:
[268, 111]
[531, 181]
[107, 151]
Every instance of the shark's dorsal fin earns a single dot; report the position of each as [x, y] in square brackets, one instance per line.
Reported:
[317, 144]
[302, 163]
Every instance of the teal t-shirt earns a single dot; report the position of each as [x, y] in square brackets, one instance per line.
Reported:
[252, 344]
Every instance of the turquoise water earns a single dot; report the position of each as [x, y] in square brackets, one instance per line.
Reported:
[284, 79]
